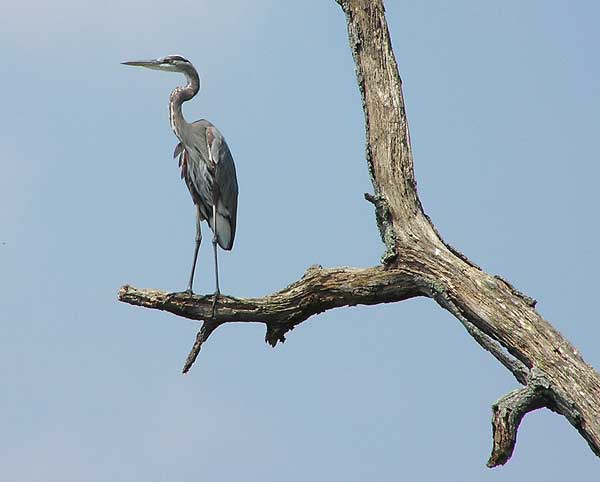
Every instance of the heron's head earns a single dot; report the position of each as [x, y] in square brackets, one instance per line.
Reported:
[170, 63]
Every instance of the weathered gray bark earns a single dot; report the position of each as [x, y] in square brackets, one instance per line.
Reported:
[417, 262]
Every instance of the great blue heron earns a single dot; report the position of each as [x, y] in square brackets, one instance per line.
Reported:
[206, 164]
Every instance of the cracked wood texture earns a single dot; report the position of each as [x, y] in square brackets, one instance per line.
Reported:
[416, 262]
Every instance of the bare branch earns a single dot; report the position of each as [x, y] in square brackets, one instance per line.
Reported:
[508, 412]
[318, 290]
[207, 328]
[516, 367]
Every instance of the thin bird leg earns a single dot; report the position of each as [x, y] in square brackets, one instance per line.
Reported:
[196, 248]
[214, 242]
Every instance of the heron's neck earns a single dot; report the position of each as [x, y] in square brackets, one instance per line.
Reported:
[178, 97]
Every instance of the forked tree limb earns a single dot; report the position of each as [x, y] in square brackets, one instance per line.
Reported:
[510, 410]
[416, 262]
[318, 290]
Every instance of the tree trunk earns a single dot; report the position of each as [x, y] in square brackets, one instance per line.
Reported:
[416, 262]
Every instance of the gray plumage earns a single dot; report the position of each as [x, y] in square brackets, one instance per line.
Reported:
[205, 161]
[210, 181]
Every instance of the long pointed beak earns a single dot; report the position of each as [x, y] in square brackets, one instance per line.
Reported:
[149, 64]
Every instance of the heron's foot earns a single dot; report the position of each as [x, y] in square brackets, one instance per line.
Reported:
[214, 303]
[189, 292]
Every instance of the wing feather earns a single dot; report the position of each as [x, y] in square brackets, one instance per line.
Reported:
[177, 151]
[226, 178]
[209, 172]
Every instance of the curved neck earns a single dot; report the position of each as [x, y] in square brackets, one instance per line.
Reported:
[181, 95]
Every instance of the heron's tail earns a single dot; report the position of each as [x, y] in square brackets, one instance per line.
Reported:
[224, 232]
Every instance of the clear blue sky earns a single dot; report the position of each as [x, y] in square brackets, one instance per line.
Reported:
[503, 101]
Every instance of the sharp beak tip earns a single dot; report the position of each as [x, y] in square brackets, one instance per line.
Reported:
[149, 64]
[138, 63]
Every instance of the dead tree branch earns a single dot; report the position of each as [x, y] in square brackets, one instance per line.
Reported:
[416, 262]
[318, 290]
[510, 410]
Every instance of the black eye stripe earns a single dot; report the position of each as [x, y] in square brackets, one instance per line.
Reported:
[178, 57]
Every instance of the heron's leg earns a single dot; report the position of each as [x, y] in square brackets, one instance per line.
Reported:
[196, 248]
[214, 242]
